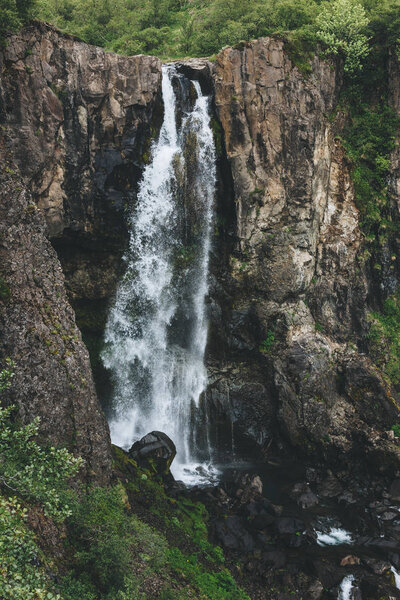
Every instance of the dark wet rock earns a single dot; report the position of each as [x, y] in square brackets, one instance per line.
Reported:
[329, 575]
[330, 487]
[248, 487]
[289, 525]
[389, 515]
[155, 449]
[262, 521]
[274, 558]
[347, 498]
[372, 587]
[232, 534]
[199, 69]
[304, 495]
[395, 490]
[379, 567]
[315, 591]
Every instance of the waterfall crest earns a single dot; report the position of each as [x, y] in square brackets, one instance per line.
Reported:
[156, 332]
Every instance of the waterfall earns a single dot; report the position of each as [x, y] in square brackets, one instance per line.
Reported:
[396, 576]
[156, 331]
[346, 587]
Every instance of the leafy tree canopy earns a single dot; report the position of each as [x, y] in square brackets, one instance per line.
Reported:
[176, 28]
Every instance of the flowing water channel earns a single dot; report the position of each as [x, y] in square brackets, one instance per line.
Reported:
[156, 332]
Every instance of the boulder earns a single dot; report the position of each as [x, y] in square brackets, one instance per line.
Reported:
[155, 450]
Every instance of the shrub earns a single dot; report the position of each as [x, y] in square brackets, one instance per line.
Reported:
[267, 344]
[396, 429]
[106, 540]
[32, 471]
[384, 338]
[341, 26]
[37, 474]
[21, 573]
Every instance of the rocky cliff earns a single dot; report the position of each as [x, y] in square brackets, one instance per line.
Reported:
[75, 123]
[292, 318]
[291, 289]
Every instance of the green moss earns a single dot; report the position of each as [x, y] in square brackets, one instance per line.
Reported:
[4, 290]
[384, 338]
[214, 585]
[369, 139]
[300, 46]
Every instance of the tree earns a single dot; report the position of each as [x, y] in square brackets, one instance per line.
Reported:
[342, 26]
[13, 14]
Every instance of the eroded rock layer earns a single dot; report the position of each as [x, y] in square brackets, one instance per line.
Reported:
[76, 124]
[291, 333]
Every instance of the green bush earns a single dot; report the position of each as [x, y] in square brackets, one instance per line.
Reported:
[106, 541]
[341, 26]
[267, 344]
[218, 585]
[369, 139]
[36, 474]
[396, 429]
[32, 471]
[384, 338]
[13, 13]
[22, 576]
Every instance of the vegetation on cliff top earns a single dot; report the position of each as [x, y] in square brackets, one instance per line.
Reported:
[176, 28]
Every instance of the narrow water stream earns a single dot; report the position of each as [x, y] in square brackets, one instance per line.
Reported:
[157, 329]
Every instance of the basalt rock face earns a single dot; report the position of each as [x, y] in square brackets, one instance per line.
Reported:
[290, 304]
[76, 125]
[290, 289]
[80, 122]
[53, 378]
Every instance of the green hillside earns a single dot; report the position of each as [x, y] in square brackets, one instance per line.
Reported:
[178, 28]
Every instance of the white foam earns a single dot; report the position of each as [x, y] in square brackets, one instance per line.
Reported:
[335, 537]
[345, 588]
[396, 577]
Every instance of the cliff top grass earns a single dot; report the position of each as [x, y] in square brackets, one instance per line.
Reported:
[179, 28]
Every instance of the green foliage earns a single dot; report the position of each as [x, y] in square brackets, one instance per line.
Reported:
[369, 140]
[218, 585]
[396, 429]
[173, 28]
[107, 558]
[6, 374]
[30, 470]
[33, 473]
[267, 344]
[107, 541]
[384, 25]
[21, 574]
[341, 26]
[384, 338]
[13, 14]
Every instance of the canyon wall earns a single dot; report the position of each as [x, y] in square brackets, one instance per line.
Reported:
[290, 289]
[75, 123]
[291, 322]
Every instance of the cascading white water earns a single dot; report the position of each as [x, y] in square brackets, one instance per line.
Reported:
[396, 575]
[157, 329]
[346, 587]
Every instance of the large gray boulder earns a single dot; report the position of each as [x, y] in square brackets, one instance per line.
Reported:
[155, 450]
